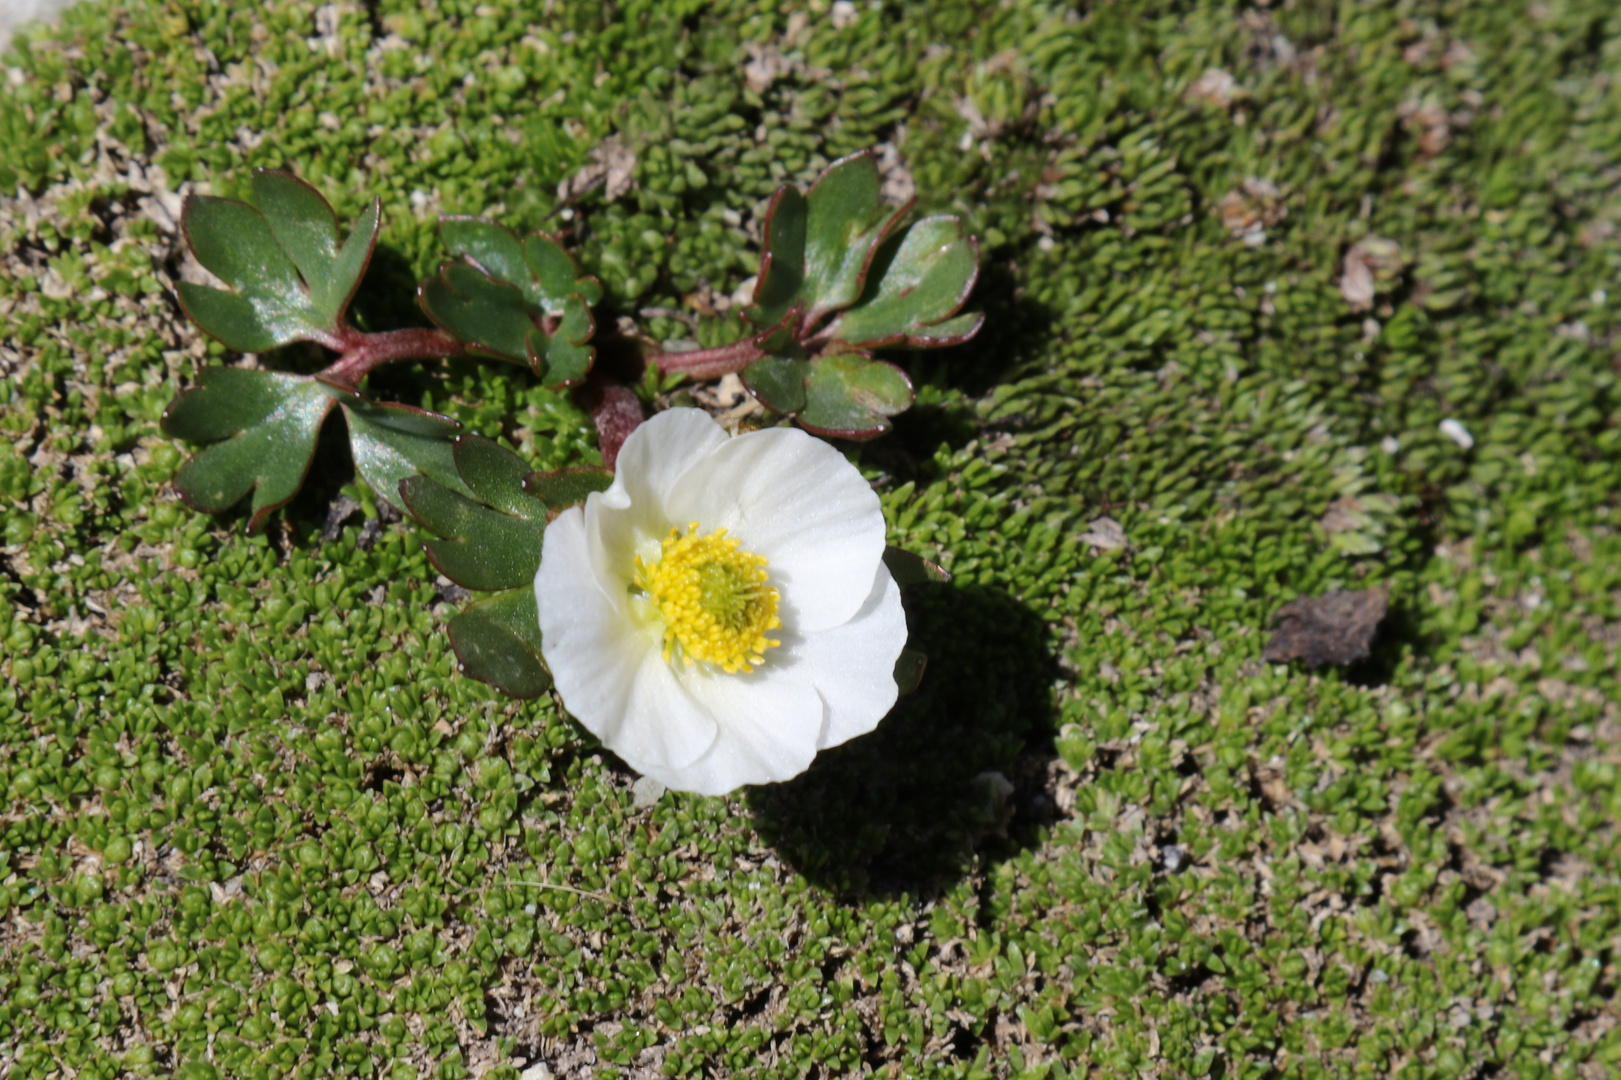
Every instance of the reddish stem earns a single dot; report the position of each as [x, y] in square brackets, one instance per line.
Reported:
[708, 363]
[616, 411]
[361, 352]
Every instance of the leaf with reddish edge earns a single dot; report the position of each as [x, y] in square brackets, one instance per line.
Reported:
[289, 278]
[391, 441]
[262, 428]
[779, 383]
[566, 487]
[782, 264]
[919, 281]
[489, 315]
[846, 220]
[563, 358]
[306, 227]
[480, 548]
[496, 318]
[851, 396]
[546, 274]
[909, 569]
[497, 641]
[495, 476]
[909, 667]
[819, 246]
[493, 539]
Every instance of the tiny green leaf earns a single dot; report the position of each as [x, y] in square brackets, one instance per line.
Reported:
[261, 427]
[497, 641]
[918, 282]
[565, 487]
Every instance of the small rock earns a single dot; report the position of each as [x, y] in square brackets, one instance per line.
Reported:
[1335, 628]
[645, 792]
[1457, 433]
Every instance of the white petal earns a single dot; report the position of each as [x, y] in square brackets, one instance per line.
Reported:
[769, 722]
[794, 499]
[629, 517]
[608, 668]
[853, 666]
[658, 452]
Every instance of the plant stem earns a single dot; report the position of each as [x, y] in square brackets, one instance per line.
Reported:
[615, 410]
[361, 352]
[708, 363]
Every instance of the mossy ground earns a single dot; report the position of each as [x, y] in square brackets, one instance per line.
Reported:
[253, 824]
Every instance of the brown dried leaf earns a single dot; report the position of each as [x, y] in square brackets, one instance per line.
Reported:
[1335, 628]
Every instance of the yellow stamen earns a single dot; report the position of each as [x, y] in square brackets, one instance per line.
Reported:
[714, 599]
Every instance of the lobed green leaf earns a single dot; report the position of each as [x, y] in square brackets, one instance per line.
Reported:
[262, 426]
[497, 641]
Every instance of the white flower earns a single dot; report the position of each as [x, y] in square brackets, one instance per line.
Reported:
[722, 612]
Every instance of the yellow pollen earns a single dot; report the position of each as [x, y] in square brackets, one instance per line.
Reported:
[713, 596]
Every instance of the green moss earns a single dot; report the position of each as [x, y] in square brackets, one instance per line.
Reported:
[253, 824]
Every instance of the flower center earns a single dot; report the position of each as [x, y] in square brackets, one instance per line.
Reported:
[714, 599]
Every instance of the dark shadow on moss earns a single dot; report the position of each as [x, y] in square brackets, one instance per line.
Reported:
[1016, 329]
[908, 807]
[1399, 636]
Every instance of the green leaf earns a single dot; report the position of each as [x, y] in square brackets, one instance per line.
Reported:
[782, 263]
[307, 230]
[495, 476]
[289, 278]
[779, 383]
[496, 317]
[846, 220]
[852, 396]
[546, 274]
[909, 569]
[391, 441]
[918, 282]
[497, 641]
[909, 668]
[488, 314]
[493, 540]
[566, 487]
[848, 395]
[262, 427]
[564, 358]
[818, 247]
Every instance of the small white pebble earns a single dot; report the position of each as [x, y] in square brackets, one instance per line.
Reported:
[645, 792]
[1457, 433]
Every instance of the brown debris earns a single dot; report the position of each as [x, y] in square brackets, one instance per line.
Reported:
[1250, 209]
[1372, 263]
[1334, 628]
